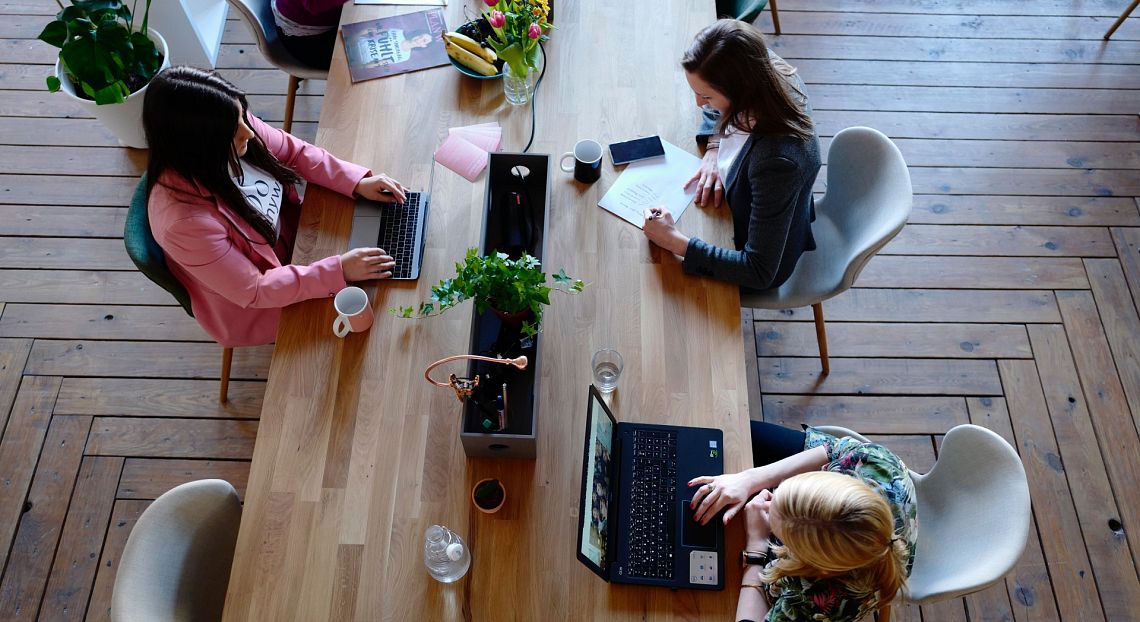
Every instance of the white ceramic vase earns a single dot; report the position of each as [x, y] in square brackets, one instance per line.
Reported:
[125, 119]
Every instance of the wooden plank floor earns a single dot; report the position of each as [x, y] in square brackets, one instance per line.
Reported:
[1010, 301]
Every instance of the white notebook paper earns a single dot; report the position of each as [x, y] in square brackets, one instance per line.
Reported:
[653, 182]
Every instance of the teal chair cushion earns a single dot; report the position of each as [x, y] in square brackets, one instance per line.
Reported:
[145, 251]
[743, 10]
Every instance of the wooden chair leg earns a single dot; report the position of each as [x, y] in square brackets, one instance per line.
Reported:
[290, 100]
[1120, 20]
[821, 336]
[775, 16]
[224, 391]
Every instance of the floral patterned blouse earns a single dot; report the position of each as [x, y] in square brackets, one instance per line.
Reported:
[833, 600]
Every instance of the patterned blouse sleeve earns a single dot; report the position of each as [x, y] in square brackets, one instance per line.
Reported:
[834, 446]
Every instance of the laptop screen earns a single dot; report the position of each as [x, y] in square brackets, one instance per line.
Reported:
[594, 518]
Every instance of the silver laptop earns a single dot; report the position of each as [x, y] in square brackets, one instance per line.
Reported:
[396, 228]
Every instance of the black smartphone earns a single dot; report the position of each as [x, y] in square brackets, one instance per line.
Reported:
[636, 149]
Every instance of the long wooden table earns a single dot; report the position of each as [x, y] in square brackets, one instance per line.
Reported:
[357, 455]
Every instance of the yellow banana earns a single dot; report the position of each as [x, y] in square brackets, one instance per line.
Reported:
[471, 45]
[470, 60]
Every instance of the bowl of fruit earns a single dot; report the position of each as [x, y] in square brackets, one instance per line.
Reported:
[469, 52]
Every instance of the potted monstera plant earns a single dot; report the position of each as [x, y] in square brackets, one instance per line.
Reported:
[107, 56]
[515, 289]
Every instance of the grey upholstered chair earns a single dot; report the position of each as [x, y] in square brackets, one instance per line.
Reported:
[258, 14]
[973, 515]
[867, 202]
[176, 564]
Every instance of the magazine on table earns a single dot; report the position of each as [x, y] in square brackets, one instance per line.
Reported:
[397, 44]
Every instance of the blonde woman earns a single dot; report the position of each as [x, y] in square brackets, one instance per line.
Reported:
[831, 529]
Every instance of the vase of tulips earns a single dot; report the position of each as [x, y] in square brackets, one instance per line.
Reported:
[518, 26]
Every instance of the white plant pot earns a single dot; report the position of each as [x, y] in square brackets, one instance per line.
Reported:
[125, 119]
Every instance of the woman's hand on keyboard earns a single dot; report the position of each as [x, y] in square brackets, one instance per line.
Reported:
[381, 188]
[365, 264]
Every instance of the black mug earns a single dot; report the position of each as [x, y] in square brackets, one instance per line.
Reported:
[587, 156]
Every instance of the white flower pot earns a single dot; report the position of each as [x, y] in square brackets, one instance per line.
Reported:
[125, 119]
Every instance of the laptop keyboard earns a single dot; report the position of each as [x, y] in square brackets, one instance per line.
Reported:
[398, 228]
[652, 536]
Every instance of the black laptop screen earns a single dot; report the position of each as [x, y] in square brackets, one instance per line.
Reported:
[596, 485]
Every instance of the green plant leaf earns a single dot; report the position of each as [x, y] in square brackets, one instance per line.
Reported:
[53, 84]
[112, 94]
[54, 34]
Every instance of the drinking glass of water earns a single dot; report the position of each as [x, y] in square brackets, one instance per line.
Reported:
[607, 368]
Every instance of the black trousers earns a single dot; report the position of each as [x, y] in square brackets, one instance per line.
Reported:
[315, 51]
[772, 443]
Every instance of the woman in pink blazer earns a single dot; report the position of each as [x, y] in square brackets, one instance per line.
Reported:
[224, 207]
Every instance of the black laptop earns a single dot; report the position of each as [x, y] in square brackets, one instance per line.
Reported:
[634, 524]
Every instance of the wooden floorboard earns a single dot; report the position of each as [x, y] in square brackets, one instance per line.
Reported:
[930, 305]
[1011, 300]
[1017, 210]
[123, 517]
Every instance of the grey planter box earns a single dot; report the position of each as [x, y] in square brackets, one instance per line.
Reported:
[508, 228]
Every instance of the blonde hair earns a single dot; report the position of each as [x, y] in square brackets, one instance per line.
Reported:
[834, 525]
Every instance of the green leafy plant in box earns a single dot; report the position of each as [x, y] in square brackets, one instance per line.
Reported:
[511, 287]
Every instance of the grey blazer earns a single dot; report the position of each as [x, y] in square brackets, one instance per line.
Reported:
[769, 192]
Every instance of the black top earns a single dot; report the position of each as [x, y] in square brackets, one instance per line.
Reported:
[769, 191]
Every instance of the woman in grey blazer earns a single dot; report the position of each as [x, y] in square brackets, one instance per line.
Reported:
[762, 155]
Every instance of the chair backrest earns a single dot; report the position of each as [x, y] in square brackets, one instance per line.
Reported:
[258, 15]
[867, 203]
[145, 251]
[868, 195]
[973, 516]
[176, 564]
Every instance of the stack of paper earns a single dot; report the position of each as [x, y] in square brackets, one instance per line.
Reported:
[466, 149]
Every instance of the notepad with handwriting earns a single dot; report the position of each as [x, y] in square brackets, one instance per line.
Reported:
[651, 183]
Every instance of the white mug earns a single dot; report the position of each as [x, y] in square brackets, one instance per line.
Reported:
[354, 312]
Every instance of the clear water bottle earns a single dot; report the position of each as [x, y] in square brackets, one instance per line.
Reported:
[445, 555]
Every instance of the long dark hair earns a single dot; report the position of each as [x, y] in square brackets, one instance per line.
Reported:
[190, 118]
[732, 57]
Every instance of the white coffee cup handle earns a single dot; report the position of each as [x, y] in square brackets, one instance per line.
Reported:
[562, 162]
[341, 327]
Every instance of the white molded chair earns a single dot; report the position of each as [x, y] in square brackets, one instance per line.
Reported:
[867, 203]
[176, 564]
[973, 515]
[258, 14]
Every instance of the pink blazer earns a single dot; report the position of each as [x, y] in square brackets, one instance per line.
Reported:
[236, 282]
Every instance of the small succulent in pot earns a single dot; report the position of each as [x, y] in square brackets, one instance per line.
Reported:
[489, 495]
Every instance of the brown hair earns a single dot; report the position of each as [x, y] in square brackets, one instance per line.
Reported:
[732, 57]
[190, 116]
[834, 525]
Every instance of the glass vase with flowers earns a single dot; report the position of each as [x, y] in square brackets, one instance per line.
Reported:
[518, 27]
